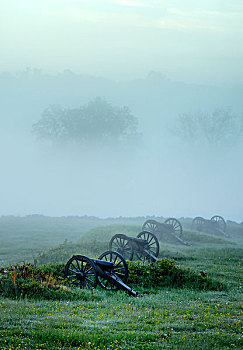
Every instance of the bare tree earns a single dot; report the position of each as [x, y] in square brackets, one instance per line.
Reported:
[219, 128]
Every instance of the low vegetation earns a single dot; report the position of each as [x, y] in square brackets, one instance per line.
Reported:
[48, 282]
[192, 299]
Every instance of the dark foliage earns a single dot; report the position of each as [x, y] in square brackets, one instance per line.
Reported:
[97, 123]
[166, 274]
[48, 282]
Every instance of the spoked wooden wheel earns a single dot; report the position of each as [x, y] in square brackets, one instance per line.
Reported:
[120, 244]
[152, 246]
[81, 272]
[120, 269]
[176, 225]
[198, 223]
[151, 226]
[220, 221]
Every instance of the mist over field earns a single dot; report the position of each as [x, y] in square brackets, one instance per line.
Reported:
[178, 69]
[163, 174]
[121, 175]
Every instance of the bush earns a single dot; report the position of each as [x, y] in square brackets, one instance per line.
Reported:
[48, 282]
[166, 274]
[44, 282]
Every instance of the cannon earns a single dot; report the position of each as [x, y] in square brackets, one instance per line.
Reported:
[144, 247]
[110, 271]
[171, 228]
[216, 225]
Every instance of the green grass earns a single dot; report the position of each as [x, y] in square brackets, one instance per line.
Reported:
[164, 318]
[93, 244]
[95, 241]
[22, 238]
[168, 319]
[48, 282]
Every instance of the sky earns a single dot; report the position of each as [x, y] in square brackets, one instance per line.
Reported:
[196, 44]
[189, 40]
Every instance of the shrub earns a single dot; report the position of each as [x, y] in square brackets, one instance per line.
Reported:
[166, 274]
[48, 282]
[44, 282]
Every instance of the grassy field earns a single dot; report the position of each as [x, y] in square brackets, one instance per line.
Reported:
[164, 318]
[22, 238]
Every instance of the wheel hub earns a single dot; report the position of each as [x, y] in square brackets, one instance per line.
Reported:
[80, 276]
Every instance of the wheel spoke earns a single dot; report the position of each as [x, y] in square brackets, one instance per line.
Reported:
[75, 267]
[89, 269]
[89, 285]
[78, 265]
[74, 281]
[106, 283]
[118, 263]
[88, 279]
[151, 239]
[90, 274]
[119, 268]
[120, 274]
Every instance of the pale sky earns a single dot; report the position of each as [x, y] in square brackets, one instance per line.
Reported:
[190, 40]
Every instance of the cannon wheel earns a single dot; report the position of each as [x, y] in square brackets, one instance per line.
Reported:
[221, 222]
[176, 226]
[81, 272]
[153, 244]
[120, 244]
[151, 226]
[120, 270]
[198, 223]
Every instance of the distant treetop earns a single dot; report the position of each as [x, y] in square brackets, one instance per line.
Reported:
[96, 123]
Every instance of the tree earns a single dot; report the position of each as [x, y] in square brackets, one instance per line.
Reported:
[217, 129]
[98, 123]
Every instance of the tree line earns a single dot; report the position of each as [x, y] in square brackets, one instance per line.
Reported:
[100, 124]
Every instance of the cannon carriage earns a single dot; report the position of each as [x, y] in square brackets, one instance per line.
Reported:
[171, 229]
[110, 271]
[216, 225]
[143, 247]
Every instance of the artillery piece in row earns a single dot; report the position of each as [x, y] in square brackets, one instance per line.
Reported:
[110, 271]
[143, 247]
[216, 225]
[170, 229]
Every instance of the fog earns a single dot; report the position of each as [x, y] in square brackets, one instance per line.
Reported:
[163, 60]
[198, 42]
[164, 175]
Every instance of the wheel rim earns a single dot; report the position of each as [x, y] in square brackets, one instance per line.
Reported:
[121, 245]
[151, 226]
[198, 223]
[120, 270]
[81, 272]
[177, 228]
[220, 221]
[152, 246]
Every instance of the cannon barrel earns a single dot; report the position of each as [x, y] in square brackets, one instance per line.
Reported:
[119, 284]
